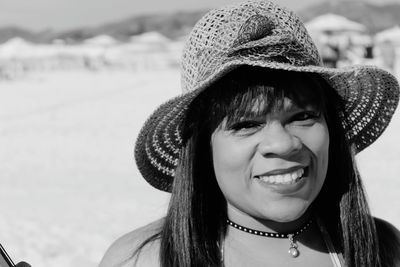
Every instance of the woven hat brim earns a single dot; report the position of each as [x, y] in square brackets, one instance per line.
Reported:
[158, 144]
[370, 98]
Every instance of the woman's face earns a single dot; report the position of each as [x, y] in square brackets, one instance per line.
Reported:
[272, 167]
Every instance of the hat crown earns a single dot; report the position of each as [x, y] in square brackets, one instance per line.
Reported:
[251, 31]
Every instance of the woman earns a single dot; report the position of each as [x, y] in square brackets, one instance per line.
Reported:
[258, 152]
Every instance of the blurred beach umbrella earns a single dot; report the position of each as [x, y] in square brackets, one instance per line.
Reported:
[101, 40]
[16, 47]
[150, 38]
[389, 35]
[153, 41]
[332, 23]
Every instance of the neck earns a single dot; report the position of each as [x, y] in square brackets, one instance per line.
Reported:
[269, 225]
[244, 249]
[308, 240]
[289, 235]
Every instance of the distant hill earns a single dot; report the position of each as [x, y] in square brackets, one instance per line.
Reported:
[10, 32]
[174, 25]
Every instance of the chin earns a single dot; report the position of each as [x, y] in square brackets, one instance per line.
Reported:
[291, 214]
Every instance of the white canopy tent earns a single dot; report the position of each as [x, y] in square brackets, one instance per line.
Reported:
[389, 35]
[150, 38]
[334, 23]
[101, 40]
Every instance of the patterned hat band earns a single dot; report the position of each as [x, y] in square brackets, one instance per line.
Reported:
[259, 33]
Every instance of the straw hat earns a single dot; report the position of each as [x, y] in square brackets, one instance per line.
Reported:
[259, 33]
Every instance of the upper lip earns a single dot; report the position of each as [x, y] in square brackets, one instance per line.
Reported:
[282, 171]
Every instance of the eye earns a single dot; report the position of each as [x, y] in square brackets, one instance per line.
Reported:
[307, 117]
[245, 126]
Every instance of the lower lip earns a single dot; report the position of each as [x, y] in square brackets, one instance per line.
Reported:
[285, 188]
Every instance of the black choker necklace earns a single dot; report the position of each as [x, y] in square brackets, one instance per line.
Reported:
[293, 246]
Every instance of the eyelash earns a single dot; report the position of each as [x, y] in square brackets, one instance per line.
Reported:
[306, 115]
[244, 125]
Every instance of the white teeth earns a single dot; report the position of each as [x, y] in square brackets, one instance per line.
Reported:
[290, 177]
[287, 178]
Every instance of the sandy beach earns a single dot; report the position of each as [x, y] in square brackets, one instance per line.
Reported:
[69, 185]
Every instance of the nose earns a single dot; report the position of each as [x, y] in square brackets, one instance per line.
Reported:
[277, 140]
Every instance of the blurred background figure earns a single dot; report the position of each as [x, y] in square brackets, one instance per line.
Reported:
[335, 35]
[388, 55]
[388, 47]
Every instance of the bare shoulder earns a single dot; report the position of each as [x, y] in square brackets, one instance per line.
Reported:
[121, 252]
[389, 242]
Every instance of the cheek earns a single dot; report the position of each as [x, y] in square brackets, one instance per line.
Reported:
[231, 160]
[322, 146]
[316, 139]
[225, 155]
[318, 143]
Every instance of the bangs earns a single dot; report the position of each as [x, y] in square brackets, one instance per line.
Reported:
[249, 92]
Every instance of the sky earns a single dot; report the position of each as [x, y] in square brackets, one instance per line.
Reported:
[38, 15]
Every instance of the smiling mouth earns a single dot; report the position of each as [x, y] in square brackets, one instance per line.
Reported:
[284, 178]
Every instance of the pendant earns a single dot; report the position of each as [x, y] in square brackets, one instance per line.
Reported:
[293, 251]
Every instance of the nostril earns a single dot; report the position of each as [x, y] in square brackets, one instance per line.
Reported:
[280, 143]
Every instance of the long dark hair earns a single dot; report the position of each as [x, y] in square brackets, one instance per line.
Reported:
[195, 221]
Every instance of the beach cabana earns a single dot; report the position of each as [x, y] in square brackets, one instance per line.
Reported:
[391, 35]
[331, 23]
